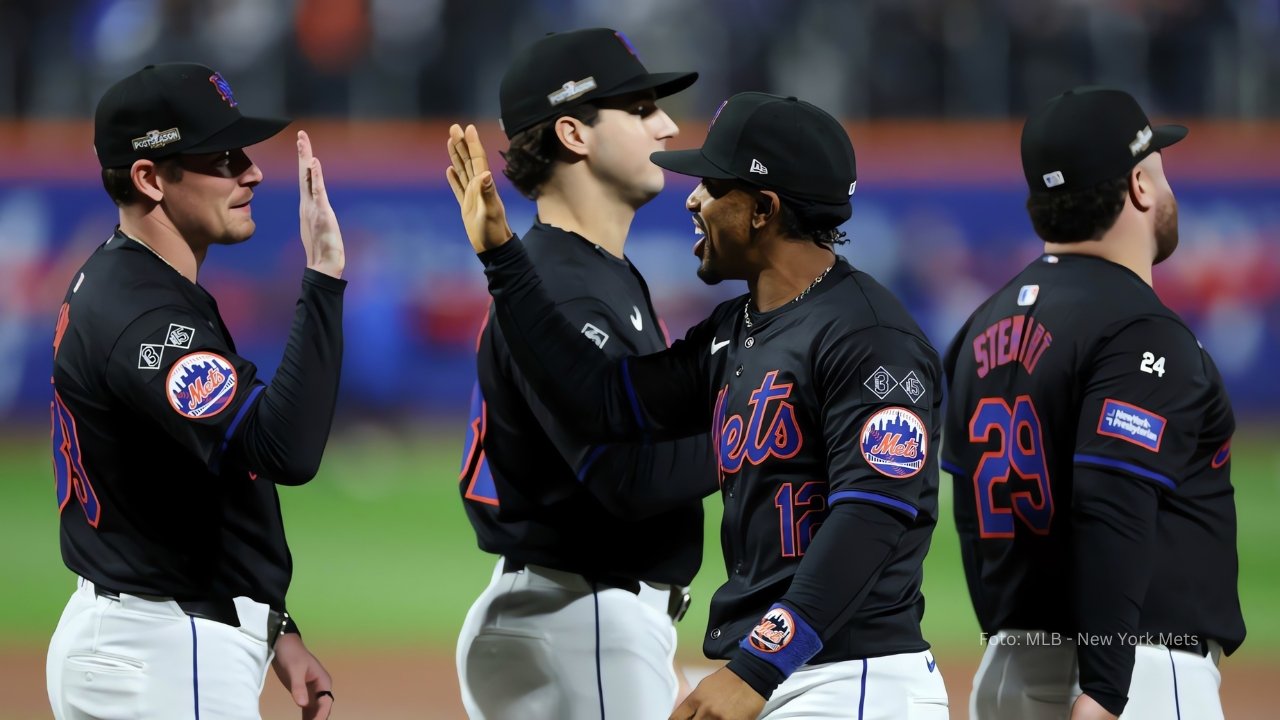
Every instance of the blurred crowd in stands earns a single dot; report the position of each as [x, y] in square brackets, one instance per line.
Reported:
[858, 58]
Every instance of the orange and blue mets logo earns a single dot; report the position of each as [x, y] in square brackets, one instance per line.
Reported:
[894, 442]
[774, 632]
[771, 429]
[224, 88]
[201, 385]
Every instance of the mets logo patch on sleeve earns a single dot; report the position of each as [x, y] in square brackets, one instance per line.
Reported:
[774, 632]
[201, 385]
[894, 442]
[1131, 424]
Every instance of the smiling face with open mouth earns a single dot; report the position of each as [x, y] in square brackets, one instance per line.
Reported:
[722, 225]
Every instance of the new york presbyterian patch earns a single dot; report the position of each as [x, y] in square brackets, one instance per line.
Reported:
[894, 442]
[201, 385]
[774, 632]
[1131, 424]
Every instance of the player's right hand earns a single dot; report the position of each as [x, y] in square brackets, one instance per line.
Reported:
[483, 214]
[321, 236]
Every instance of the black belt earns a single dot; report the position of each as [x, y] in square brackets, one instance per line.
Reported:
[1199, 647]
[219, 611]
[677, 604]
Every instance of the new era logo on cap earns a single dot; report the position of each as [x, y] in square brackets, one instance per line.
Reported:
[1054, 179]
[813, 171]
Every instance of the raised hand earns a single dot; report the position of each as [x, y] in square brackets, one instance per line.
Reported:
[321, 236]
[483, 214]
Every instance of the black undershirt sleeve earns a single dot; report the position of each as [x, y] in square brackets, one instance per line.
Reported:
[283, 434]
[593, 395]
[832, 582]
[1114, 521]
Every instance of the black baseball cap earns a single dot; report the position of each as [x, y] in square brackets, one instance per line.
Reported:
[170, 109]
[566, 69]
[1086, 136]
[778, 143]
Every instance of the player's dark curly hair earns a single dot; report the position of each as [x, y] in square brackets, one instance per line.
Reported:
[118, 182]
[1078, 216]
[534, 151]
[792, 226]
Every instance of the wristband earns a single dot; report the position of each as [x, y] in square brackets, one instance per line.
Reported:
[783, 639]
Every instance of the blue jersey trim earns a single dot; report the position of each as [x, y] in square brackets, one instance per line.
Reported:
[876, 498]
[631, 393]
[592, 455]
[235, 423]
[953, 469]
[1127, 467]
[195, 669]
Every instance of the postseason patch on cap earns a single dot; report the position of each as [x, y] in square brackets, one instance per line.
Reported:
[572, 89]
[156, 139]
[201, 385]
[1131, 424]
[774, 632]
[894, 442]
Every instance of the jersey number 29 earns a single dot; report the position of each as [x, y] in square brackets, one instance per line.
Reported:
[1016, 461]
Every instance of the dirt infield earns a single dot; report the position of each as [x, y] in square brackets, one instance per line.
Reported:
[400, 685]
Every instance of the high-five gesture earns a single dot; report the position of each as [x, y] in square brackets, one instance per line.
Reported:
[321, 236]
[482, 211]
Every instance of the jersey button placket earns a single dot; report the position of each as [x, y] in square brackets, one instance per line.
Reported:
[750, 342]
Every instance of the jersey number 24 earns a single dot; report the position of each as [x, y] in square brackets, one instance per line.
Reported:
[1016, 463]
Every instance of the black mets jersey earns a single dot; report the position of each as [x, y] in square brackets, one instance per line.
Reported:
[166, 444]
[824, 417]
[1073, 370]
[538, 493]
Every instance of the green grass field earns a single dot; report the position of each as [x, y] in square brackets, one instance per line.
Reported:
[384, 555]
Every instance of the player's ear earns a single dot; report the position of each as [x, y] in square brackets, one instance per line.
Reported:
[572, 134]
[145, 175]
[767, 206]
[1142, 188]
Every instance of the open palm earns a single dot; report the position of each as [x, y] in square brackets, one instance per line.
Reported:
[321, 236]
[483, 213]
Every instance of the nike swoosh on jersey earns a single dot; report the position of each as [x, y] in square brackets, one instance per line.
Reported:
[636, 320]
[715, 346]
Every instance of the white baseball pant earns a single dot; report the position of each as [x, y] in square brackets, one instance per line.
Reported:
[541, 644]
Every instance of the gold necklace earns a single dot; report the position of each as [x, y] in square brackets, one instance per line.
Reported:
[746, 309]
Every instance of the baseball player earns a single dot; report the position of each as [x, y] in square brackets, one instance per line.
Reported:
[167, 446]
[1089, 436]
[597, 541]
[822, 396]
